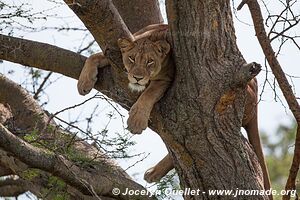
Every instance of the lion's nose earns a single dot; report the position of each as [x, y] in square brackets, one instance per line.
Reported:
[138, 78]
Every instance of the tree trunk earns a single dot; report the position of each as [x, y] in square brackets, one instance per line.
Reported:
[206, 144]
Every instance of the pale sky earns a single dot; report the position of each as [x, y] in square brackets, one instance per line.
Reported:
[63, 93]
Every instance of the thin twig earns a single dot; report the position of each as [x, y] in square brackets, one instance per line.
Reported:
[283, 84]
[40, 89]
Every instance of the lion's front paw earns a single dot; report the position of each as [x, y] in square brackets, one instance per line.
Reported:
[153, 175]
[87, 80]
[138, 120]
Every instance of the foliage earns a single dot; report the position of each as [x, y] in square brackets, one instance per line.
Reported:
[30, 173]
[169, 182]
[279, 154]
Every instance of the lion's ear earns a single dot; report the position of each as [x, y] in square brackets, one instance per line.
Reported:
[125, 44]
[163, 47]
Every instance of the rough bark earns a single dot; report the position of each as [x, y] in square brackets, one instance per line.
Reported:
[12, 188]
[4, 171]
[37, 182]
[107, 29]
[28, 117]
[73, 175]
[204, 139]
[41, 55]
[104, 22]
[208, 150]
[138, 14]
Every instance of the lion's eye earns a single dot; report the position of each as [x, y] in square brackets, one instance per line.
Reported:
[150, 62]
[131, 59]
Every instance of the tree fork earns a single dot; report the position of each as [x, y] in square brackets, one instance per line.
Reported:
[207, 61]
[24, 109]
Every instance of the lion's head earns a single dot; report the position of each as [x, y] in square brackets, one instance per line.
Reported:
[143, 60]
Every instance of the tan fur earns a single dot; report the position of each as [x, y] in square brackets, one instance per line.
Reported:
[88, 75]
[250, 124]
[149, 65]
[147, 61]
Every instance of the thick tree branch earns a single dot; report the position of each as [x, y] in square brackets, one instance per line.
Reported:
[38, 182]
[28, 116]
[12, 164]
[12, 191]
[4, 171]
[24, 107]
[41, 55]
[55, 59]
[12, 187]
[282, 82]
[105, 23]
[138, 14]
[59, 166]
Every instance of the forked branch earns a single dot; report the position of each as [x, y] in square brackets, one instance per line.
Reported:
[105, 23]
[23, 106]
[41, 55]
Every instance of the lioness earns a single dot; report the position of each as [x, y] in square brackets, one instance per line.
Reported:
[150, 71]
[148, 62]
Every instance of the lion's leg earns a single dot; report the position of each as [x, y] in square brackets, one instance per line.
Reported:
[154, 174]
[140, 112]
[88, 75]
[254, 139]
